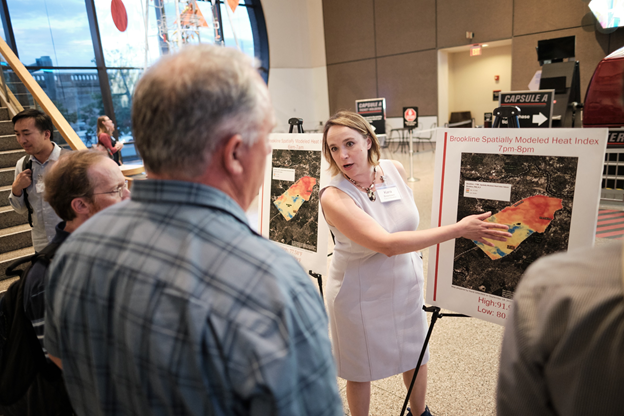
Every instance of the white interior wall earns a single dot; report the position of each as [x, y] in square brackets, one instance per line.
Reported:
[443, 87]
[471, 80]
[298, 73]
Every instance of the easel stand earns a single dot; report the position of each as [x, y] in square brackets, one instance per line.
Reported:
[411, 157]
[434, 318]
[319, 280]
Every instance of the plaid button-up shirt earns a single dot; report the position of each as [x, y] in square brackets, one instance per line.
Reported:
[169, 304]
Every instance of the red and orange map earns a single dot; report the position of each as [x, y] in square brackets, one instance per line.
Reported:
[290, 201]
[525, 217]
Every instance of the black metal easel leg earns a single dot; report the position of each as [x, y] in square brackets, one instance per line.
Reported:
[434, 318]
[319, 280]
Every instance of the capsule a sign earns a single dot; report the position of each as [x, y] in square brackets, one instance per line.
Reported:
[536, 107]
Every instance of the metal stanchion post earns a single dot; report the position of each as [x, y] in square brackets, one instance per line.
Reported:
[411, 158]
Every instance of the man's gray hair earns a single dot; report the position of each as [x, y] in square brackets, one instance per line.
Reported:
[189, 102]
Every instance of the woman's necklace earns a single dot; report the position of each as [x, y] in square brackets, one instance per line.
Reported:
[370, 191]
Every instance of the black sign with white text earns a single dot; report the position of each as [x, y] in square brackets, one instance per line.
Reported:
[535, 106]
[374, 111]
[615, 139]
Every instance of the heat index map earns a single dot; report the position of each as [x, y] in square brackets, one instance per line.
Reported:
[294, 209]
[538, 213]
[527, 216]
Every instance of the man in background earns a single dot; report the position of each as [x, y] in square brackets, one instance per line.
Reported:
[33, 130]
[170, 303]
[77, 186]
[563, 349]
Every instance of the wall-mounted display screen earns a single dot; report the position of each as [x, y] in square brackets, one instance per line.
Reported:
[609, 13]
[555, 50]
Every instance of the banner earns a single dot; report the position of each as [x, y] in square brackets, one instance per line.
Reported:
[543, 183]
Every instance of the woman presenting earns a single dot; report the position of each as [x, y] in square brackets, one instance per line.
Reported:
[105, 129]
[375, 287]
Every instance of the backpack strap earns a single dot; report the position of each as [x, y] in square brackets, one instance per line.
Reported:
[46, 255]
[10, 270]
[27, 164]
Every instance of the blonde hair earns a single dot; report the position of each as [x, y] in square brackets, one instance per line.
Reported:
[101, 128]
[358, 123]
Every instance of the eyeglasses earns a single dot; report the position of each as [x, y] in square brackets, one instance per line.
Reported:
[119, 190]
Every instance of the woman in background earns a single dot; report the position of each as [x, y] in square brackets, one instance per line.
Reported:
[105, 128]
[375, 288]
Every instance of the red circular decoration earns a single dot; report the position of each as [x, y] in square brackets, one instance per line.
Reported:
[120, 17]
[410, 114]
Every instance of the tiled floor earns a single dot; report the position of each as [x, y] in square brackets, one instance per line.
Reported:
[610, 224]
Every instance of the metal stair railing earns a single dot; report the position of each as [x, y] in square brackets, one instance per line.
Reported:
[39, 97]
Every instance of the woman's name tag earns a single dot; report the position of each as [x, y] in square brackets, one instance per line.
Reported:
[388, 194]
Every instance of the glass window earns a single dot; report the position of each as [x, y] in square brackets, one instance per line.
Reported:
[53, 39]
[122, 84]
[52, 32]
[128, 48]
[77, 95]
[242, 28]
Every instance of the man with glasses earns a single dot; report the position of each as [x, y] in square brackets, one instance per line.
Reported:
[78, 185]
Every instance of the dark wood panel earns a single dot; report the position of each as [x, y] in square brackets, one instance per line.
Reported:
[404, 26]
[591, 47]
[409, 79]
[533, 16]
[349, 82]
[616, 40]
[488, 19]
[349, 30]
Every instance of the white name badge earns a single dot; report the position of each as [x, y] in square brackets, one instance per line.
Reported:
[388, 194]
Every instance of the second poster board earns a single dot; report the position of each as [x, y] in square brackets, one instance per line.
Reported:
[289, 209]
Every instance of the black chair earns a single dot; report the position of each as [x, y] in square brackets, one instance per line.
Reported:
[461, 119]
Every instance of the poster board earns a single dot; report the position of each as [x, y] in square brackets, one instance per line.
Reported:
[289, 209]
[543, 183]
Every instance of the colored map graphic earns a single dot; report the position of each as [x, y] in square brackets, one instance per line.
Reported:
[290, 201]
[525, 217]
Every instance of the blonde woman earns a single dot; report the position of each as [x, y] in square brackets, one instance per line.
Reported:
[105, 128]
[375, 287]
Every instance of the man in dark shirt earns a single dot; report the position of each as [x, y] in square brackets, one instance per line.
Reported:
[78, 186]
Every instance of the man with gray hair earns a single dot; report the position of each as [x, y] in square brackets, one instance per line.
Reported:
[169, 303]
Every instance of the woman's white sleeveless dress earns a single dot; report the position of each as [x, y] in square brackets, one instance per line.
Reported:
[375, 302]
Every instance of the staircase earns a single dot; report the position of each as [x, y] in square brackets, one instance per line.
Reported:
[15, 237]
